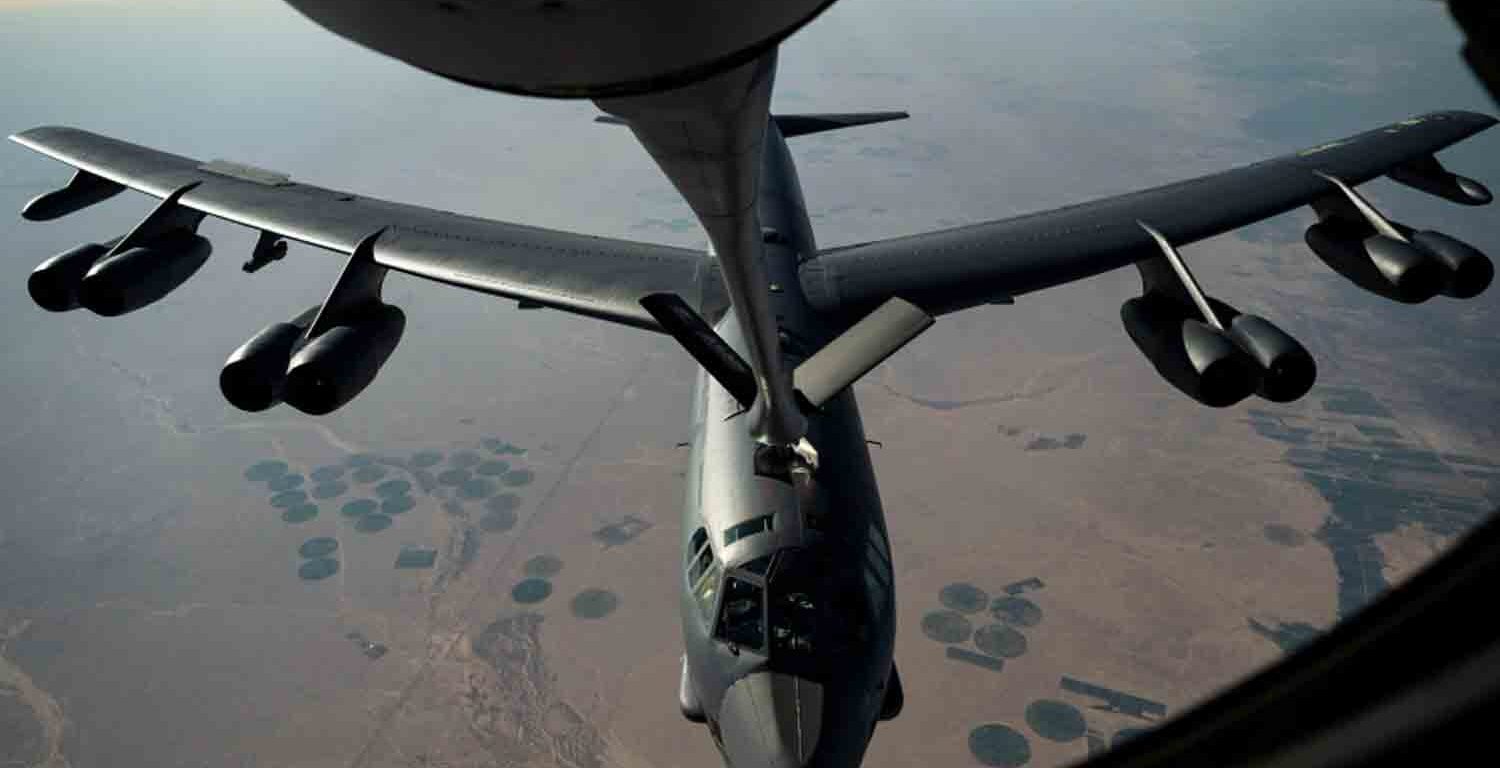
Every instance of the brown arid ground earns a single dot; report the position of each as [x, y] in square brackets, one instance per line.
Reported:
[151, 608]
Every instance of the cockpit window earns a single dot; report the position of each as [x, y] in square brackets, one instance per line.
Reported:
[703, 573]
[742, 618]
[794, 622]
[706, 588]
[703, 555]
[758, 566]
[748, 528]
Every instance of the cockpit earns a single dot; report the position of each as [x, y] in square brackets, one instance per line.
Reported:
[788, 606]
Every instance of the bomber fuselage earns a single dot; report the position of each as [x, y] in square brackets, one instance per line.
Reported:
[788, 611]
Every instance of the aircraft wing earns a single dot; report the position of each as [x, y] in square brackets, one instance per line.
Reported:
[993, 262]
[594, 276]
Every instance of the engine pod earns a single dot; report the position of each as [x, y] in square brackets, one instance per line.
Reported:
[1195, 358]
[1381, 265]
[335, 367]
[144, 275]
[253, 377]
[1467, 272]
[567, 48]
[54, 283]
[1287, 368]
[83, 190]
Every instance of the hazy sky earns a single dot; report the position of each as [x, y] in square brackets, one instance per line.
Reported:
[1017, 105]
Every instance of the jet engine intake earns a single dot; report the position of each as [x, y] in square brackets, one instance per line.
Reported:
[1466, 271]
[1287, 369]
[143, 275]
[1379, 264]
[254, 376]
[53, 285]
[335, 367]
[1190, 354]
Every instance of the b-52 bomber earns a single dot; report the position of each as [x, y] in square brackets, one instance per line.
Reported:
[787, 603]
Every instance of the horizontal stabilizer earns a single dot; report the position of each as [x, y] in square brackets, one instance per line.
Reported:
[802, 125]
[868, 342]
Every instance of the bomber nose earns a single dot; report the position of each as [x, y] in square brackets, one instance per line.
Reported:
[771, 719]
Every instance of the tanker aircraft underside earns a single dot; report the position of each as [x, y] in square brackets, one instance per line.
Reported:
[787, 603]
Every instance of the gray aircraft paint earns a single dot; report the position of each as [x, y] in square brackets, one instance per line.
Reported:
[723, 490]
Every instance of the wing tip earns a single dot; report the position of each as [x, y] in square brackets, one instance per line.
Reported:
[40, 133]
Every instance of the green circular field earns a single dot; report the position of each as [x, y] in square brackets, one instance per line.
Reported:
[322, 546]
[594, 603]
[330, 490]
[391, 488]
[425, 459]
[999, 745]
[497, 520]
[947, 626]
[543, 566]
[1000, 640]
[285, 482]
[368, 473]
[327, 474]
[1016, 611]
[963, 597]
[505, 502]
[318, 568]
[493, 468]
[476, 488]
[1055, 720]
[531, 591]
[300, 513]
[454, 477]
[464, 459]
[287, 499]
[373, 523]
[519, 477]
[396, 505]
[359, 508]
[261, 471]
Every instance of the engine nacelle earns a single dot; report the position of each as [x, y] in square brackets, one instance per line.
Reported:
[1432, 178]
[1379, 264]
[255, 374]
[85, 189]
[1287, 369]
[565, 49]
[336, 366]
[143, 275]
[1466, 271]
[1191, 355]
[53, 285]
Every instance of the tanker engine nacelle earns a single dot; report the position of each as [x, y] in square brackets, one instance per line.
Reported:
[567, 49]
[1218, 368]
[317, 376]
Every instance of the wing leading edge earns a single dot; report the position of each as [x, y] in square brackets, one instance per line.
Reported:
[953, 269]
[593, 276]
